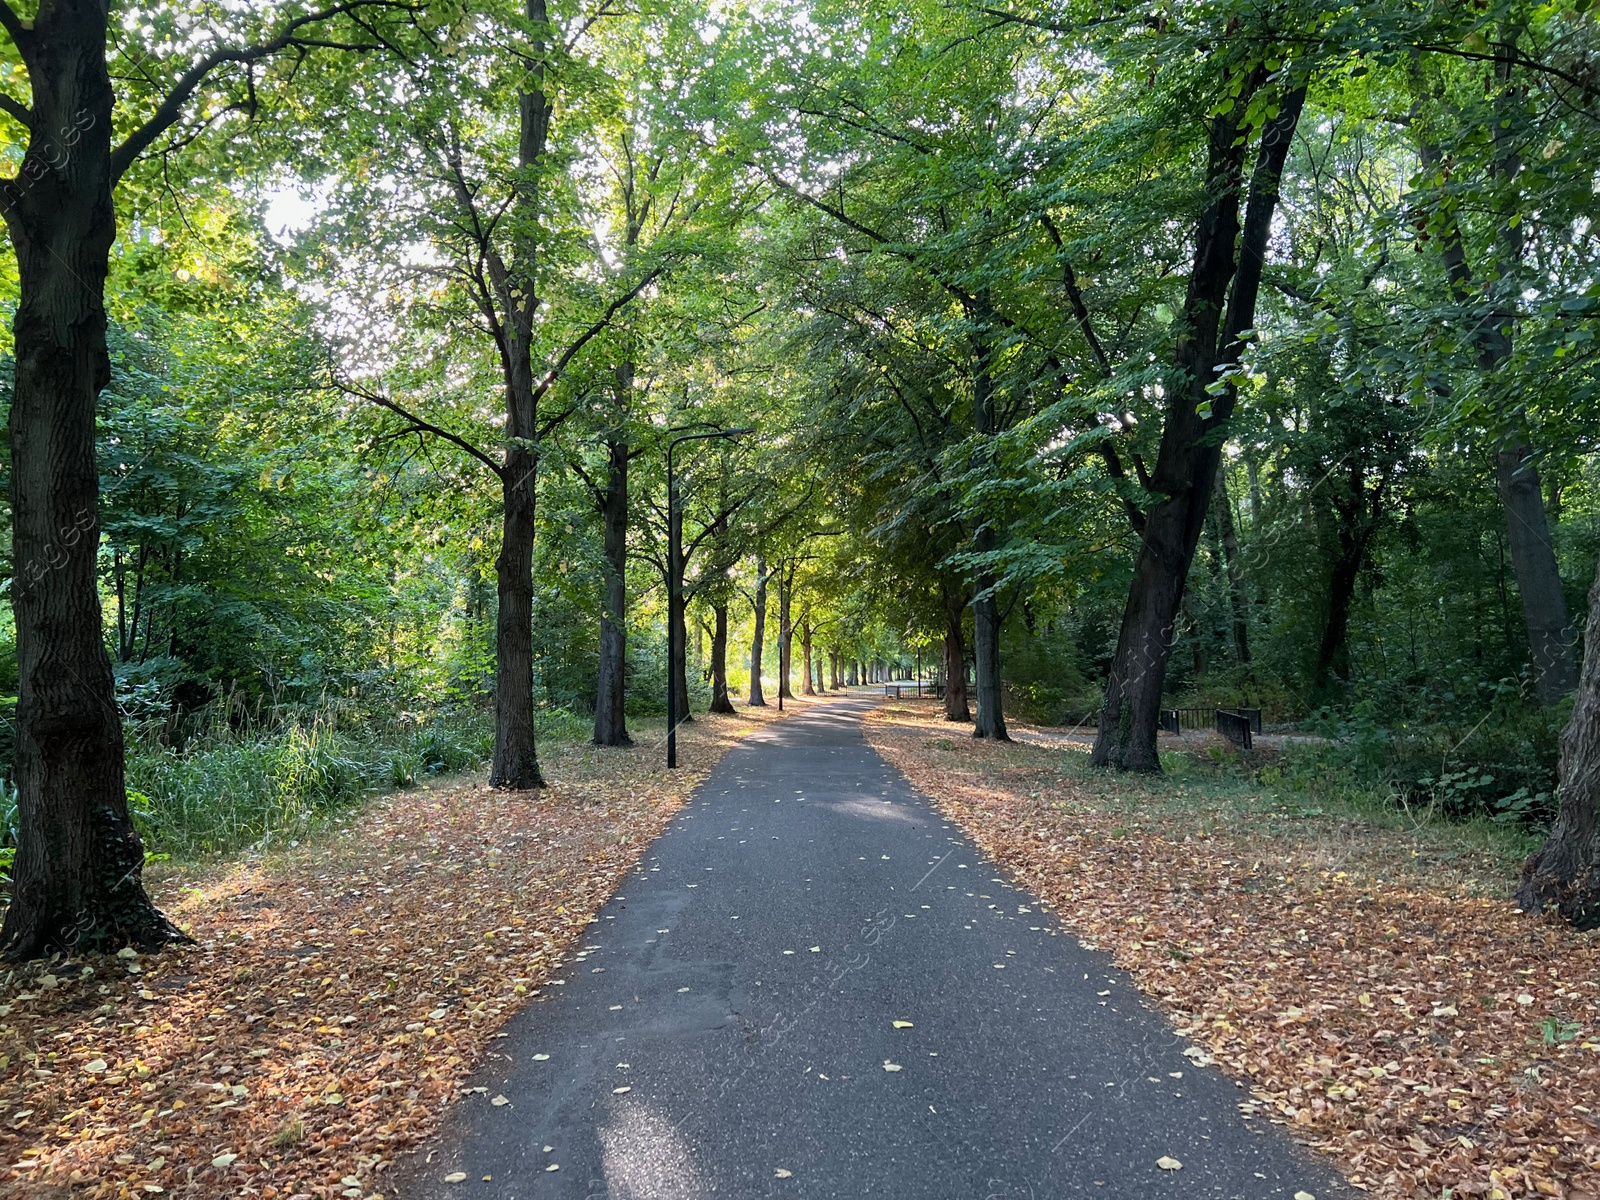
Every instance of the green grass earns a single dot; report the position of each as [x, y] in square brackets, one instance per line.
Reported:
[231, 789]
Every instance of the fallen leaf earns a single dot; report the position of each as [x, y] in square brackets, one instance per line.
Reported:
[903, 1025]
[499, 1102]
[456, 1177]
[1167, 1163]
[780, 1173]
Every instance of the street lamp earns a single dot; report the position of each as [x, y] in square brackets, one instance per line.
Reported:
[675, 648]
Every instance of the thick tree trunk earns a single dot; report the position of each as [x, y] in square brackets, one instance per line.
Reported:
[610, 709]
[1230, 556]
[516, 760]
[1187, 460]
[720, 703]
[757, 700]
[1565, 873]
[77, 875]
[805, 650]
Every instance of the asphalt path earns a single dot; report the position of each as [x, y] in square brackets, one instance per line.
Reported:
[816, 987]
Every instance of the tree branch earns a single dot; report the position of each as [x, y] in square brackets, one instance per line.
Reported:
[418, 425]
[20, 33]
[16, 109]
[171, 108]
[612, 309]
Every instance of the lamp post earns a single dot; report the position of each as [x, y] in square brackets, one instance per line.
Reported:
[675, 647]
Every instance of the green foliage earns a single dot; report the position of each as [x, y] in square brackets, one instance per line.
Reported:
[1500, 768]
[231, 788]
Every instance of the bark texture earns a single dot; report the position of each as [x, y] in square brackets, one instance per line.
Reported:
[955, 658]
[1564, 875]
[77, 875]
[1186, 463]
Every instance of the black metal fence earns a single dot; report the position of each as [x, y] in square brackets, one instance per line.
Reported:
[1236, 726]
[1176, 720]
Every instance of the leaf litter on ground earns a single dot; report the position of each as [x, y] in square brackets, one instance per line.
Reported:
[1420, 1032]
[337, 995]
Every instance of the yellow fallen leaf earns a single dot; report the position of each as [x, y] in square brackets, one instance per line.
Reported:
[499, 1101]
[780, 1173]
[903, 1025]
[455, 1177]
[1304, 1196]
[1167, 1163]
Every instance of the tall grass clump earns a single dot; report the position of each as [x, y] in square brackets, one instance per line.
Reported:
[229, 787]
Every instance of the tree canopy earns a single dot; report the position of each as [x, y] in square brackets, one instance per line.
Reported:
[1100, 359]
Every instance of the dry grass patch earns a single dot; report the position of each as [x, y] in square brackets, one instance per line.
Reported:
[1371, 983]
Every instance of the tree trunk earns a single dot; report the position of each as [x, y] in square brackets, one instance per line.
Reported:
[805, 650]
[990, 721]
[1187, 460]
[955, 675]
[77, 875]
[1333, 651]
[1230, 556]
[610, 709]
[679, 667]
[1564, 874]
[516, 760]
[1551, 637]
[785, 634]
[719, 662]
[757, 700]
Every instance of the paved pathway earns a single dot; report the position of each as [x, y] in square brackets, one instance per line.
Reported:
[730, 1030]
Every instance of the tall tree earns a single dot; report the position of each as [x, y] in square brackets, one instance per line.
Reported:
[77, 878]
[1212, 328]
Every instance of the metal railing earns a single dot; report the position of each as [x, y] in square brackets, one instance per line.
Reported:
[1236, 725]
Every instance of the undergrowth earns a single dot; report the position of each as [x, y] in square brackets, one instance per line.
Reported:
[228, 787]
